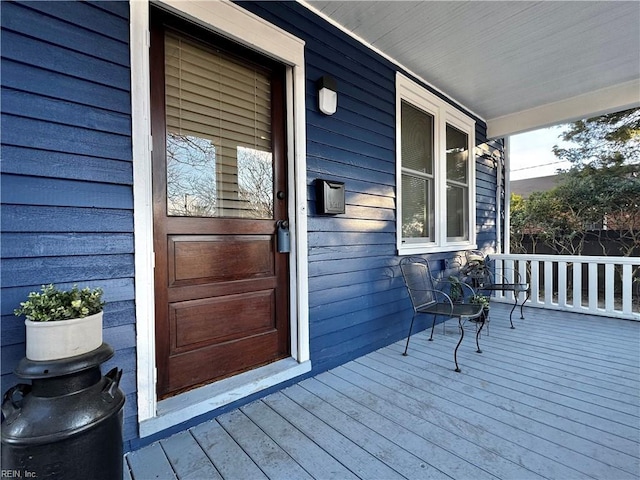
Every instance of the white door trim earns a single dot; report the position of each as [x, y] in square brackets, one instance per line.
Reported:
[250, 30]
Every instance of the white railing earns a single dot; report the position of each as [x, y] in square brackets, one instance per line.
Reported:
[607, 286]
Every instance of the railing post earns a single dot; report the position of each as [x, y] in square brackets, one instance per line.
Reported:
[627, 289]
[508, 274]
[548, 282]
[523, 271]
[577, 284]
[535, 282]
[593, 287]
[562, 284]
[609, 285]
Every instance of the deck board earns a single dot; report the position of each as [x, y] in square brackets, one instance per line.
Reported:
[309, 455]
[346, 451]
[226, 455]
[555, 398]
[397, 458]
[532, 408]
[264, 451]
[187, 459]
[420, 442]
[471, 420]
[512, 375]
[519, 416]
[150, 462]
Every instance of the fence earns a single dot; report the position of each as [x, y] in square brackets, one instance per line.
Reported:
[607, 286]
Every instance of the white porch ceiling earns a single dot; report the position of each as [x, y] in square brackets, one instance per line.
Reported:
[519, 65]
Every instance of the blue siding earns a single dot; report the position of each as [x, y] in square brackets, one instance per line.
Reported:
[357, 300]
[486, 185]
[67, 202]
[67, 179]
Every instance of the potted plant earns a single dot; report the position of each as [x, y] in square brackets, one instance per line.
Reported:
[455, 289]
[479, 299]
[62, 323]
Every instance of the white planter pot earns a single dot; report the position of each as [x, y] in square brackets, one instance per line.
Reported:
[63, 338]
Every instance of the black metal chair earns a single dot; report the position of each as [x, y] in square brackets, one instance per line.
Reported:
[425, 298]
[485, 279]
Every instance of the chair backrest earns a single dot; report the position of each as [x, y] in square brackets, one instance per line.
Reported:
[419, 281]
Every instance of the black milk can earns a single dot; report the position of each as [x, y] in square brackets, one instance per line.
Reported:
[68, 423]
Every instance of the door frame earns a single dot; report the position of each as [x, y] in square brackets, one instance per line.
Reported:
[233, 22]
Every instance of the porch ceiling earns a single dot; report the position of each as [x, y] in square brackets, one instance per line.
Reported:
[519, 65]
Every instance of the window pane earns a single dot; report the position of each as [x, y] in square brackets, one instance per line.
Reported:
[417, 139]
[417, 207]
[457, 216]
[191, 176]
[218, 112]
[457, 155]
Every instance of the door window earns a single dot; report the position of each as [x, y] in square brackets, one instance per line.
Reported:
[218, 114]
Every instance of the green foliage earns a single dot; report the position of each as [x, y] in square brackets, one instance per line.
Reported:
[53, 304]
[455, 289]
[478, 299]
[600, 191]
[612, 139]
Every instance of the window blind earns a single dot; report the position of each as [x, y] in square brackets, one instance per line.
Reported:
[209, 95]
[216, 99]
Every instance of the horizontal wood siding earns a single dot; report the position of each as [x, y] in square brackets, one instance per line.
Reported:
[67, 179]
[357, 299]
[486, 185]
[67, 202]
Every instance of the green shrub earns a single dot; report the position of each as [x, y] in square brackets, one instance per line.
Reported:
[52, 304]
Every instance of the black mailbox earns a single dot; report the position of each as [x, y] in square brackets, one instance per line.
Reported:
[329, 197]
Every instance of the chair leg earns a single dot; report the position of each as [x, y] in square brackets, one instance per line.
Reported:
[433, 327]
[511, 313]
[478, 330]
[409, 336]
[525, 301]
[455, 352]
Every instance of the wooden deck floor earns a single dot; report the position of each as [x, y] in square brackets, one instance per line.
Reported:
[556, 398]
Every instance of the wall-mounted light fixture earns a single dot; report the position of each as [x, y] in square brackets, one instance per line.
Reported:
[487, 154]
[327, 95]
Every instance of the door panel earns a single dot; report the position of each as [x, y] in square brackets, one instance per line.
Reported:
[251, 313]
[222, 294]
[195, 259]
[231, 357]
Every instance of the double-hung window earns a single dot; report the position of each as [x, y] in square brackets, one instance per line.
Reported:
[435, 172]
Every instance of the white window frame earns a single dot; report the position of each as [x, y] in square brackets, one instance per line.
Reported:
[236, 23]
[443, 114]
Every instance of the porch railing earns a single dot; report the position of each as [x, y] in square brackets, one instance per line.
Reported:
[607, 286]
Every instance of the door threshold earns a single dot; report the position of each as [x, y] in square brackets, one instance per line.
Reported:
[188, 405]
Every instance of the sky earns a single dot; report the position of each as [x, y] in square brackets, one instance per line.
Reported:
[531, 154]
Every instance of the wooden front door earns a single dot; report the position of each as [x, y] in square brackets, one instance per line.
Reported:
[219, 191]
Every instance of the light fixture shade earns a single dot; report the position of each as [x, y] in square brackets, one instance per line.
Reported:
[327, 95]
